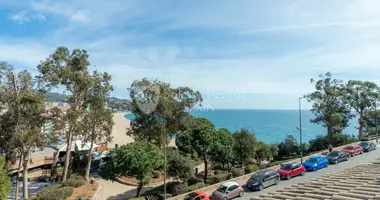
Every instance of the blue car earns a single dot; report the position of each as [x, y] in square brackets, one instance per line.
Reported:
[316, 162]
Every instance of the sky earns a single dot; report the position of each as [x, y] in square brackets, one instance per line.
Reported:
[242, 54]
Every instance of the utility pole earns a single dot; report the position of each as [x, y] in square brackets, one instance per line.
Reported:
[300, 128]
[377, 134]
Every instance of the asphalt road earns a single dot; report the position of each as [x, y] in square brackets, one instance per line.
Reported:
[357, 160]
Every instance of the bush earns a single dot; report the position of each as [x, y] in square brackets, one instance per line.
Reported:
[236, 172]
[176, 188]
[156, 174]
[74, 182]
[251, 168]
[196, 186]
[55, 193]
[147, 180]
[219, 178]
[194, 180]
[180, 167]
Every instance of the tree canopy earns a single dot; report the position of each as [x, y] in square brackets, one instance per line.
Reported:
[137, 159]
[329, 104]
[155, 103]
[361, 96]
[244, 146]
[200, 137]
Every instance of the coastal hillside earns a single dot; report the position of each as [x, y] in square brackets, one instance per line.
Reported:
[113, 102]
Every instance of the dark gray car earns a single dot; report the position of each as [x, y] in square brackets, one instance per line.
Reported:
[262, 179]
[337, 156]
[368, 146]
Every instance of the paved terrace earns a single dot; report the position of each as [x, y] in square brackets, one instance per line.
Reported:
[356, 183]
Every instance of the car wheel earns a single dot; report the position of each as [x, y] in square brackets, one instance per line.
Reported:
[241, 193]
[225, 198]
[327, 164]
[288, 177]
[261, 187]
[361, 152]
[315, 169]
[277, 181]
[347, 158]
[303, 173]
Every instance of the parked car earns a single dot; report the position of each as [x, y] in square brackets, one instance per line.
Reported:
[338, 156]
[196, 196]
[353, 150]
[289, 170]
[42, 179]
[227, 190]
[314, 163]
[367, 146]
[262, 179]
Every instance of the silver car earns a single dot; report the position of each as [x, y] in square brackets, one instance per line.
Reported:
[227, 190]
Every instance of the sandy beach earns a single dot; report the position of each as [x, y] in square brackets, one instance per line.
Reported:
[119, 131]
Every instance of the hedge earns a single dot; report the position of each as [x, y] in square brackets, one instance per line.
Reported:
[55, 193]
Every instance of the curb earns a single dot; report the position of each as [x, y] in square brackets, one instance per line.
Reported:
[98, 191]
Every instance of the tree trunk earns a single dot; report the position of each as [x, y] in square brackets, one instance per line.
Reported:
[89, 159]
[206, 168]
[18, 176]
[329, 133]
[361, 123]
[25, 175]
[67, 156]
[139, 188]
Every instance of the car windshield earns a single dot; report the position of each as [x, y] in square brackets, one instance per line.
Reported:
[312, 160]
[222, 189]
[364, 144]
[257, 176]
[349, 148]
[286, 167]
[334, 153]
[190, 196]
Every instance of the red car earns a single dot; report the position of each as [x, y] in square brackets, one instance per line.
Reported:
[289, 170]
[353, 150]
[196, 196]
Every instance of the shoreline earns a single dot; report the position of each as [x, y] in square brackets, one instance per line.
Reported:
[119, 131]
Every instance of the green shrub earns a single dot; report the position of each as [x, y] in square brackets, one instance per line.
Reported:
[156, 174]
[55, 193]
[147, 180]
[196, 186]
[194, 180]
[251, 168]
[219, 178]
[177, 188]
[74, 182]
[236, 172]
[136, 198]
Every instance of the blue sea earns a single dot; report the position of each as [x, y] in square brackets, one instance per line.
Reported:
[270, 126]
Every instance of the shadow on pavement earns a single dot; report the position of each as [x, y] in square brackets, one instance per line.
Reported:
[129, 194]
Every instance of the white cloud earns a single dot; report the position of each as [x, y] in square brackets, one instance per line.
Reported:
[20, 17]
[301, 39]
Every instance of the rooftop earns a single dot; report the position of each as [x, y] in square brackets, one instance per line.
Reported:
[228, 184]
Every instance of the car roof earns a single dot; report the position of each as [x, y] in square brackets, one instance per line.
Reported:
[316, 157]
[230, 183]
[199, 193]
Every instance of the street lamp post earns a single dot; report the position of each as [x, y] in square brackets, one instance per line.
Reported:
[162, 120]
[377, 134]
[300, 128]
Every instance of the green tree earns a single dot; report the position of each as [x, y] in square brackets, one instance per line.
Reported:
[201, 138]
[372, 120]
[262, 153]
[70, 71]
[137, 160]
[274, 150]
[330, 106]
[98, 122]
[288, 147]
[5, 182]
[361, 95]
[223, 148]
[179, 166]
[244, 147]
[170, 103]
[26, 111]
